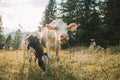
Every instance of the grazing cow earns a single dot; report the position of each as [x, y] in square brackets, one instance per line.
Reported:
[92, 44]
[99, 45]
[55, 34]
[32, 42]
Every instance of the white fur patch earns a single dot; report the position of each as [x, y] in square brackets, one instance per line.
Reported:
[45, 59]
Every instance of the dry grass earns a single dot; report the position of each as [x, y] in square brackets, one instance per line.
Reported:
[74, 64]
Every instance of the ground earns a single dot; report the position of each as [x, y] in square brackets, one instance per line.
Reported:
[75, 64]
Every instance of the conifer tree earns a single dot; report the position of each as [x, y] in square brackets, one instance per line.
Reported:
[85, 13]
[17, 39]
[1, 25]
[50, 12]
[2, 38]
[8, 42]
[112, 19]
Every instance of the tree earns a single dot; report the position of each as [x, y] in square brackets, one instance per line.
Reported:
[1, 25]
[50, 12]
[2, 41]
[112, 20]
[70, 13]
[17, 39]
[83, 12]
[8, 42]
[2, 38]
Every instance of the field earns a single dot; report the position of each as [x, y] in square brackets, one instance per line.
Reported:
[75, 64]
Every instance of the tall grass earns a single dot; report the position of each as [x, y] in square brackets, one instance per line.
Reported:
[75, 64]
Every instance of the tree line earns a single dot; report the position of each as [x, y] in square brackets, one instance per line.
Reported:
[97, 19]
[11, 42]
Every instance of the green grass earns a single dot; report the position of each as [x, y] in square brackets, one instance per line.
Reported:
[74, 64]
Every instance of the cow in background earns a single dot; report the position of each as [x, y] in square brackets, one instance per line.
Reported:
[92, 44]
[97, 45]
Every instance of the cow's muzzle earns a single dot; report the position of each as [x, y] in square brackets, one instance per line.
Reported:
[64, 38]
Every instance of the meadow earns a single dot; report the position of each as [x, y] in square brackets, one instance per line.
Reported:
[75, 64]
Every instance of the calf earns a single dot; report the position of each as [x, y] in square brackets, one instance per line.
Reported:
[32, 41]
[99, 45]
[92, 44]
[55, 34]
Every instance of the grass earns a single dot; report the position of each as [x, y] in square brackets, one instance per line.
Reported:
[75, 64]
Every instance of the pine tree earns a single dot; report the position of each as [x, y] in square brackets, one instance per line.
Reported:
[2, 41]
[50, 12]
[85, 13]
[17, 39]
[112, 19]
[2, 38]
[1, 26]
[8, 42]
[70, 13]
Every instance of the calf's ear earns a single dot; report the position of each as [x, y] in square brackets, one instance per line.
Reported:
[72, 26]
[48, 27]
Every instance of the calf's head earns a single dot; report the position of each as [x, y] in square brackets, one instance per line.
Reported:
[61, 29]
[43, 61]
